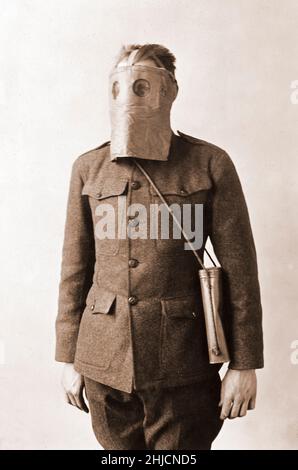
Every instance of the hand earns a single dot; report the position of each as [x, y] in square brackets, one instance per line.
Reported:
[73, 384]
[238, 393]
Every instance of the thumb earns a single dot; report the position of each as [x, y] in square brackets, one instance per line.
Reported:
[222, 392]
[252, 403]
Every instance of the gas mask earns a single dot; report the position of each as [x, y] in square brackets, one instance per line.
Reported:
[141, 98]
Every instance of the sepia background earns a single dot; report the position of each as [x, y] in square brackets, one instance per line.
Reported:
[237, 71]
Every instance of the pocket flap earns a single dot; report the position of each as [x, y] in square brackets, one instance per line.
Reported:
[184, 188]
[105, 189]
[181, 307]
[90, 189]
[103, 301]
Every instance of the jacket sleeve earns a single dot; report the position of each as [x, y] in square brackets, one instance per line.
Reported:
[233, 243]
[76, 268]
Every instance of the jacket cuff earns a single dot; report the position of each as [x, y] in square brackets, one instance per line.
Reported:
[245, 365]
[65, 348]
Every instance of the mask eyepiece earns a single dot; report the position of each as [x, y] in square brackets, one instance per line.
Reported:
[141, 87]
[115, 89]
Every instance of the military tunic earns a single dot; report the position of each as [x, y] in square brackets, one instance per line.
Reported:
[130, 311]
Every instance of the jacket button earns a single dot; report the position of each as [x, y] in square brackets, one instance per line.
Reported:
[92, 307]
[132, 300]
[98, 195]
[133, 222]
[135, 185]
[182, 191]
[133, 263]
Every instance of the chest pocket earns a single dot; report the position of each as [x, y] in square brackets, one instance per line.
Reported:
[107, 201]
[187, 198]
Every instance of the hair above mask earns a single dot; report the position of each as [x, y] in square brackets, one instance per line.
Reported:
[162, 56]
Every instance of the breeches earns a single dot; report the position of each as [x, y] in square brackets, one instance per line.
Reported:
[173, 418]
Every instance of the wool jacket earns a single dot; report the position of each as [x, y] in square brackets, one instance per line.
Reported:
[130, 311]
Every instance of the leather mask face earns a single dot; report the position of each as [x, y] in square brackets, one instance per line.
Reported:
[141, 98]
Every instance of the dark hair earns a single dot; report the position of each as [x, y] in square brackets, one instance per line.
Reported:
[160, 54]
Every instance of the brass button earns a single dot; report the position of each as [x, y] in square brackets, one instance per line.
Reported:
[133, 223]
[98, 195]
[133, 263]
[133, 300]
[92, 307]
[183, 192]
[135, 185]
[194, 314]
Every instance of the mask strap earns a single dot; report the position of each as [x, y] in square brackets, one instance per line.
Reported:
[132, 56]
[159, 62]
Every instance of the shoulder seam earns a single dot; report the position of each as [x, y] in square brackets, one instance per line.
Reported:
[196, 141]
[96, 148]
[80, 161]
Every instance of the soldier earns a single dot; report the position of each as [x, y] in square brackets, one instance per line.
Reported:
[130, 325]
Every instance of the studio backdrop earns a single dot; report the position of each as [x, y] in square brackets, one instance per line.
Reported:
[237, 71]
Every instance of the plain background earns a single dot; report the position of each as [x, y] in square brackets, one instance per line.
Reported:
[236, 60]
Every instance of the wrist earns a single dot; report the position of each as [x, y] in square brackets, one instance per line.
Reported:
[242, 372]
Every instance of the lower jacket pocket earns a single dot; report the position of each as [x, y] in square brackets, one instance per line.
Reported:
[95, 345]
[183, 348]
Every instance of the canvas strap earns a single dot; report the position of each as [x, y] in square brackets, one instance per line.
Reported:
[152, 183]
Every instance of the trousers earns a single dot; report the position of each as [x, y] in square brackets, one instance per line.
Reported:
[184, 417]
